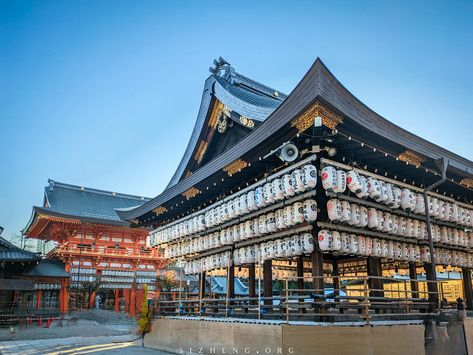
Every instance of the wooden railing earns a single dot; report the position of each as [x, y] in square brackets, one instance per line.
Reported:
[360, 298]
[148, 254]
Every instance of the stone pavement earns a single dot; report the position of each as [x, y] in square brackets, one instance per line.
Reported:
[116, 345]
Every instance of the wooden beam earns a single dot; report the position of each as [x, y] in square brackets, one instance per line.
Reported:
[467, 287]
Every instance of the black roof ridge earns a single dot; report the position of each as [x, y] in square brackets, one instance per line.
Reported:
[53, 183]
[257, 86]
[87, 218]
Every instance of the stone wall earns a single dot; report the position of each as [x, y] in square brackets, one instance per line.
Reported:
[207, 337]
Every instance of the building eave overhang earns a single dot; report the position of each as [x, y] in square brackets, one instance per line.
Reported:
[40, 213]
[317, 84]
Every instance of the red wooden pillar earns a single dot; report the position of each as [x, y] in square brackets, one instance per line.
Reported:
[92, 300]
[38, 299]
[132, 300]
[117, 305]
[65, 296]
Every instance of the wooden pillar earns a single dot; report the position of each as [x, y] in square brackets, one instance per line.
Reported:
[92, 300]
[433, 296]
[467, 287]
[375, 269]
[317, 260]
[268, 281]
[413, 276]
[202, 285]
[336, 280]
[231, 282]
[38, 299]
[252, 280]
[65, 296]
[300, 280]
[116, 307]
[132, 300]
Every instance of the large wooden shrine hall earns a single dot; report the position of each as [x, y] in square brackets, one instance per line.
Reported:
[101, 253]
[320, 204]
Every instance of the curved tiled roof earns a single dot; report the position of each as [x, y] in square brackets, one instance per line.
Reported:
[10, 252]
[84, 203]
[239, 93]
[317, 84]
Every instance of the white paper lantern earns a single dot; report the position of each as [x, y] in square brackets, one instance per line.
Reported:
[251, 201]
[325, 239]
[345, 245]
[336, 241]
[277, 189]
[334, 209]
[374, 188]
[355, 215]
[346, 211]
[310, 210]
[296, 181]
[309, 176]
[263, 228]
[384, 193]
[341, 184]
[354, 182]
[364, 189]
[353, 244]
[268, 193]
[271, 223]
[361, 245]
[372, 218]
[279, 218]
[363, 217]
[307, 243]
[408, 200]
[288, 190]
[260, 202]
[288, 221]
[295, 245]
[297, 213]
[329, 178]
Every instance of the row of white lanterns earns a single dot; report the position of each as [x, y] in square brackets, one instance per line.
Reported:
[269, 223]
[393, 196]
[42, 286]
[86, 271]
[118, 273]
[362, 217]
[215, 261]
[117, 279]
[352, 244]
[280, 248]
[274, 190]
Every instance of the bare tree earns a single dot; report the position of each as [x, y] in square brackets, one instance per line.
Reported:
[22, 242]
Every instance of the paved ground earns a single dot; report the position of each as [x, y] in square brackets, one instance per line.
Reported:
[116, 345]
[85, 323]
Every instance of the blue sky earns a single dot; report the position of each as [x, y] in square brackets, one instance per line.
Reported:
[105, 93]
